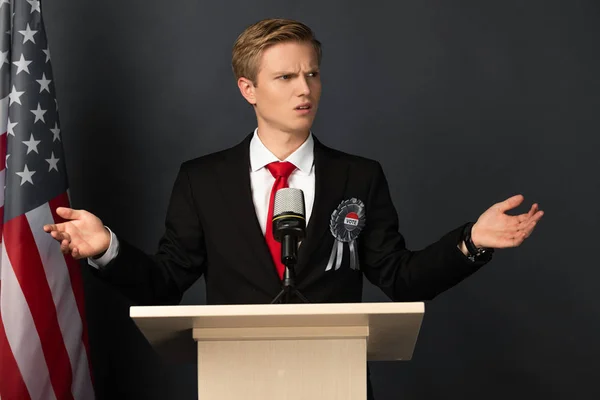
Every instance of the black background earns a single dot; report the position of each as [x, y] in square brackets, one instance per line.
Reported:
[464, 103]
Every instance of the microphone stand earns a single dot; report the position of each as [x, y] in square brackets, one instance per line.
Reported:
[288, 284]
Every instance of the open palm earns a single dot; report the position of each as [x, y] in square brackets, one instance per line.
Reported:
[496, 229]
[82, 235]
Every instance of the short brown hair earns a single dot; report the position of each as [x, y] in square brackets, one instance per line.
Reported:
[249, 46]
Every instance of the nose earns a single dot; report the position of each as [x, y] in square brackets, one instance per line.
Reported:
[303, 86]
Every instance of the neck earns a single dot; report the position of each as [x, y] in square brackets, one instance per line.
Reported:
[280, 143]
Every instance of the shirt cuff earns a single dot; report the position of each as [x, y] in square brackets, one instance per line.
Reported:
[109, 255]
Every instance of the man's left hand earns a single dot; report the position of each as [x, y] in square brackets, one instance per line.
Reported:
[495, 229]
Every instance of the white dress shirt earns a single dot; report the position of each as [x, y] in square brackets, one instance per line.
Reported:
[261, 182]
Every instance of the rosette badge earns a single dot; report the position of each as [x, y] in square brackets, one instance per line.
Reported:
[347, 221]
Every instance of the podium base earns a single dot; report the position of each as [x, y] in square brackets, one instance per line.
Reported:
[331, 365]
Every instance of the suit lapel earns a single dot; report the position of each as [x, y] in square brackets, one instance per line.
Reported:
[330, 183]
[237, 190]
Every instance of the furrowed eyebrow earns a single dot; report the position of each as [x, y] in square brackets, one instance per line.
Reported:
[310, 71]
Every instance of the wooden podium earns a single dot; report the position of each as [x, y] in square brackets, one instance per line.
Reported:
[284, 351]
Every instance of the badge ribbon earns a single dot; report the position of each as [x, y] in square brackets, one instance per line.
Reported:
[347, 221]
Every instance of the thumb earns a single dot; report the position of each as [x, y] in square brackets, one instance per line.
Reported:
[511, 202]
[68, 213]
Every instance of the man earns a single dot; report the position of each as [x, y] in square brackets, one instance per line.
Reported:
[218, 220]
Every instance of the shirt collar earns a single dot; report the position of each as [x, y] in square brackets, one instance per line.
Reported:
[302, 158]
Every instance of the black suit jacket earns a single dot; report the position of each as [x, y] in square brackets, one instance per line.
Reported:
[212, 231]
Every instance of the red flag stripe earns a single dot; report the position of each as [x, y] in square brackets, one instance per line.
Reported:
[22, 337]
[28, 268]
[12, 385]
[75, 274]
[58, 277]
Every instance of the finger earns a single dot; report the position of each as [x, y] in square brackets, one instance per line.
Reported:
[525, 217]
[64, 247]
[534, 209]
[54, 227]
[75, 253]
[529, 219]
[510, 203]
[525, 229]
[60, 236]
[529, 230]
[69, 213]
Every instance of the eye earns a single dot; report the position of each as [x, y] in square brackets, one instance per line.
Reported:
[285, 77]
[313, 74]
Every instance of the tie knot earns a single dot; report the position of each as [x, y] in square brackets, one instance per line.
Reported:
[281, 169]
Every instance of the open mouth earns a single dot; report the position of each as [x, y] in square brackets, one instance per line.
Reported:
[303, 107]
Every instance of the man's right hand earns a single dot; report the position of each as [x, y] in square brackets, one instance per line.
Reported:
[82, 235]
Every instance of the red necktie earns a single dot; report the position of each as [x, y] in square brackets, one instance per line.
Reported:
[281, 172]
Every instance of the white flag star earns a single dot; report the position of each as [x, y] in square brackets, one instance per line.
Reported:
[56, 132]
[39, 114]
[28, 35]
[44, 83]
[10, 126]
[26, 175]
[22, 64]
[14, 96]
[53, 162]
[31, 144]
[4, 1]
[35, 5]
[4, 58]
[47, 53]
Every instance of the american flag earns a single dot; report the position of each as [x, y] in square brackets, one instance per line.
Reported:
[44, 350]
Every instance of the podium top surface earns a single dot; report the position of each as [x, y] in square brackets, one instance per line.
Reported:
[393, 327]
[311, 309]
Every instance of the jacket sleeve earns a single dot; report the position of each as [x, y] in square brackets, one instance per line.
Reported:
[402, 274]
[180, 260]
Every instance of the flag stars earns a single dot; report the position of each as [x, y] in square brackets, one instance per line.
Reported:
[22, 65]
[26, 175]
[47, 53]
[39, 114]
[4, 58]
[15, 96]
[31, 144]
[56, 132]
[10, 126]
[28, 35]
[44, 83]
[35, 5]
[53, 162]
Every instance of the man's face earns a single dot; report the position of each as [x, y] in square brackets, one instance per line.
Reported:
[288, 87]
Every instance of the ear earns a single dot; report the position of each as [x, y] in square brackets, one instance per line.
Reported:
[247, 88]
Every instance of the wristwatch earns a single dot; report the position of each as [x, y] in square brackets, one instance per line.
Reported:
[475, 253]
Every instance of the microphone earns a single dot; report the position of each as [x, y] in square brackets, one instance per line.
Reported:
[289, 223]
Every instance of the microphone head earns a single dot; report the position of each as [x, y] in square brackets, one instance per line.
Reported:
[288, 201]
[288, 214]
